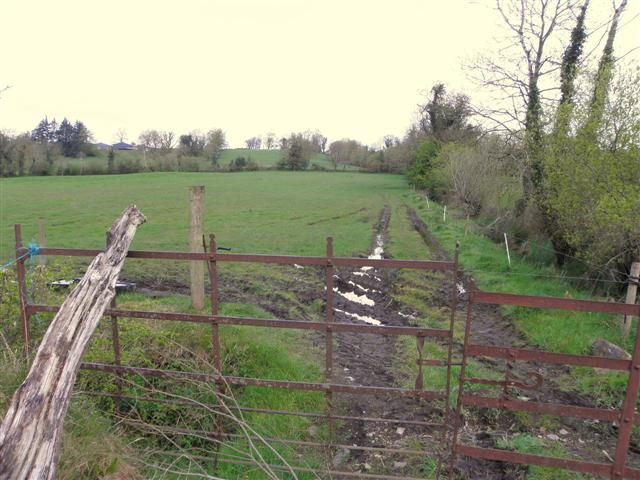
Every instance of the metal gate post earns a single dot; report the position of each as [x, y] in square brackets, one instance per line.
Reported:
[22, 289]
[463, 366]
[328, 373]
[628, 412]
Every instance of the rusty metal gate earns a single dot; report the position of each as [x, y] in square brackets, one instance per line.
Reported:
[328, 328]
[625, 417]
[450, 425]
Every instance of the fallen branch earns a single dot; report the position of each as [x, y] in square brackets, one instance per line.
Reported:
[32, 427]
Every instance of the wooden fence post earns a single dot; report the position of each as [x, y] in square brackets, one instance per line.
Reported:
[196, 213]
[632, 291]
[42, 241]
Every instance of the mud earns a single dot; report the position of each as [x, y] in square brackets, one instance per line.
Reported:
[370, 360]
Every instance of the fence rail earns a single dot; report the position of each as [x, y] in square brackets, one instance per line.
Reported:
[626, 416]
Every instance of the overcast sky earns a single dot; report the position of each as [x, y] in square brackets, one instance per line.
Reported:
[349, 68]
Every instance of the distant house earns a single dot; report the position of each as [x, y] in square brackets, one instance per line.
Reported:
[123, 146]
[102, 146]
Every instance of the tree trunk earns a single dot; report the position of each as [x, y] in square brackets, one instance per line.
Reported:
[32, 427]
[603, 79]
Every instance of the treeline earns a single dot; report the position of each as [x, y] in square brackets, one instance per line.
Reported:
[34, 153]
[562, 170]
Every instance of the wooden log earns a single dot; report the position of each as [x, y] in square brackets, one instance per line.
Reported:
[30, 434]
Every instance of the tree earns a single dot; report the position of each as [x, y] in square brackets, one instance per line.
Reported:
[72, 137]
[45, 131]
[111, 156]
[297, 154]
[569, 72]
[192, 144]
[445, 116]
[572, 162]
[215, 142]
[166, 140]
[603, 78]
[150, 140]
[64, 135]
[523, 76]
[390, 140]
[45, 134]
[420, 174]
[253, 143]
[270, 140]
[592, 177]
[121, 135]
[319, 141]
[80, 137]
[347, 152]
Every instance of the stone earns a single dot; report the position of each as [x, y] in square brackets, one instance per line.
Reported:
[603, 348]
[341, 457]
[399, 465]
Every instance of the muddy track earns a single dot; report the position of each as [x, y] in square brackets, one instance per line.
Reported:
[363, 295]
[585, 439]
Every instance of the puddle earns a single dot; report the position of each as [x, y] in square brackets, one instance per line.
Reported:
[354, 284]
[461, 290]
[353, 297]
[377, 251]
[362, 318]
[410, 317]
[298, 266]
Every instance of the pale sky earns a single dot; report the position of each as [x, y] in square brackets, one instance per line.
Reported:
[349, 68]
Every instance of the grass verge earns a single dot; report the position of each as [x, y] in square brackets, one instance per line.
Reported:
[551, 330]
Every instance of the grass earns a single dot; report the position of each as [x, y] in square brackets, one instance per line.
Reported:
[528, 444]
[551, 330]
[249, 211]
[416, 291]
[246, 352]
[269, 158]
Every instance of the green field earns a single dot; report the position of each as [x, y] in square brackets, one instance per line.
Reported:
[260, 212]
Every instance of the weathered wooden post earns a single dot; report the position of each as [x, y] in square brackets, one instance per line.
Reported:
[31, 431]
[632, 291]
[196, 213]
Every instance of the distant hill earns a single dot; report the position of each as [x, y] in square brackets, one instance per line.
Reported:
[134, 161]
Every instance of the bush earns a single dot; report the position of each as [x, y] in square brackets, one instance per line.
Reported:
[237, 164]
[426, 171]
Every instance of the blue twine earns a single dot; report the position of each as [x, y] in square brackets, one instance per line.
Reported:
[32, 250]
